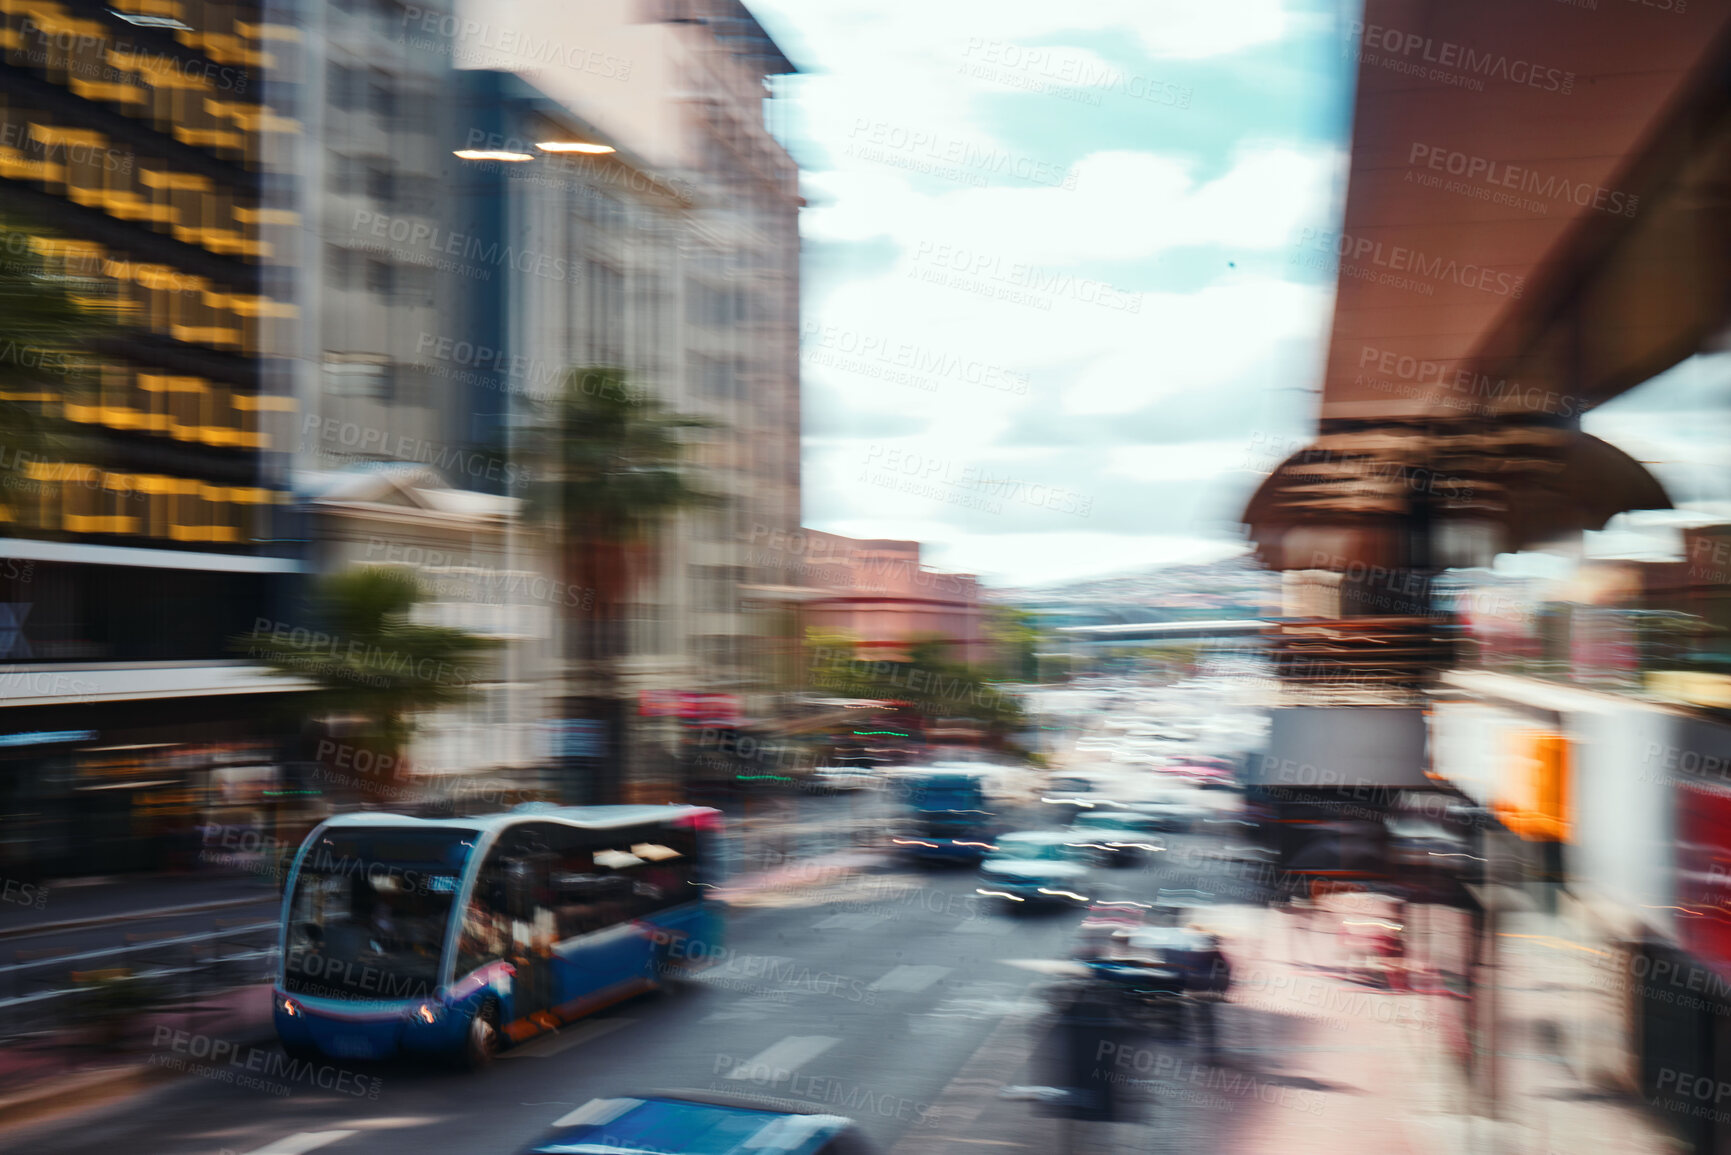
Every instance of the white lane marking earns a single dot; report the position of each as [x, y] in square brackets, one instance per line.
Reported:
[849, 922]
[566, 1039]
[784, 1058]
[597, 1111]
[740, 1015]
[303, 1142]
[909, 978]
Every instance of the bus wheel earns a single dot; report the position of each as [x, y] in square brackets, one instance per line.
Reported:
[481, 1043]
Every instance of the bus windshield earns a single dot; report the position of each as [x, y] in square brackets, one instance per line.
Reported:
[369, 911]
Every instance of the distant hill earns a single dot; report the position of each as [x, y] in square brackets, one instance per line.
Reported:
[1235, 587]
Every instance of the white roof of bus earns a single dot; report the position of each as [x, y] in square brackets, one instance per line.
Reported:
[599, 817]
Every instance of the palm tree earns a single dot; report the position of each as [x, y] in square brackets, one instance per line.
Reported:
[368, 661]
[49, 322]
[615, 473]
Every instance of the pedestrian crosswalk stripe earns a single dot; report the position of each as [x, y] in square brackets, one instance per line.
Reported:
[782, 1059]
[910, 978]
[303, 1142]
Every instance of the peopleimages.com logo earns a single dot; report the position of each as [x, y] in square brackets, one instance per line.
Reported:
[1497, 175]
[1448, 62]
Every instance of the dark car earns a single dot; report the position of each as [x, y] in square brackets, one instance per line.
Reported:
[1194, 954]
[684, 1123]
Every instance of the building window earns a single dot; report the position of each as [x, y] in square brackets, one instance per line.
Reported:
[381, 95]
[607, 314]
[715, 588]
[345, 174]
[707, 304]
[342, 266]
[381, 185]
[358, 375]
[342, 85]
[381, 277]
[414, 285]
[717, 380]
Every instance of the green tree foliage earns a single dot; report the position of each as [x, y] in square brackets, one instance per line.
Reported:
[614, 472]
[52, 325]
[1015, 640]
[367, 659]
[936, 686]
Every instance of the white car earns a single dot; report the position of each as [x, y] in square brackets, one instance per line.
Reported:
[1037, 866]
[843, 779]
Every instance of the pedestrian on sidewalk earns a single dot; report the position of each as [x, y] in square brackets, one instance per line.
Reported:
[1292, 915]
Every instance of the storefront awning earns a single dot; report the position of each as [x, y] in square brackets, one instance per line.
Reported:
[62, 686]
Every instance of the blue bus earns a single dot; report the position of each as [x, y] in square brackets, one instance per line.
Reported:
[457, 937]
[945, 817]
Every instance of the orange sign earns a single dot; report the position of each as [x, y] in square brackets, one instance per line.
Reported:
[1535, 801]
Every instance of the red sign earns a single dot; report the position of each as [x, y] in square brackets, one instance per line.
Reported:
[709, 709]
[1704, 873]
[698, 709]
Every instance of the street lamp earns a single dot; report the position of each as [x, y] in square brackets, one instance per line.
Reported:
[491, 154]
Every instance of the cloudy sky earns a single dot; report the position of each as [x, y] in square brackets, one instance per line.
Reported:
[1056, 322]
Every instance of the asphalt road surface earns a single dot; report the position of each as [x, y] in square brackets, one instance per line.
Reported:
[877, 994]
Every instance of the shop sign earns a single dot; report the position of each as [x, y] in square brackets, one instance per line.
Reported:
[1535, 797]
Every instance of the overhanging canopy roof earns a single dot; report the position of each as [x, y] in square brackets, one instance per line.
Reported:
[1488, 137]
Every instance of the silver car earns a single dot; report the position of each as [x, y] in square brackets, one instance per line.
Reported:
[1037, 866]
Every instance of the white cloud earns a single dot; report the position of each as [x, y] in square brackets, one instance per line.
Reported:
[1190, 461]
[1104, 358]
[999, 317]
[1164, 29]
[1123, 206]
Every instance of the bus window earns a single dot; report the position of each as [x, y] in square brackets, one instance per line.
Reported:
[602, 878]
[666, 870]
[369, 910]
[486, 932]
[589, 892]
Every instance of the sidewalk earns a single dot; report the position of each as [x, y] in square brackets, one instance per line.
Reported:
[1559, 1016]
[61, 1074]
